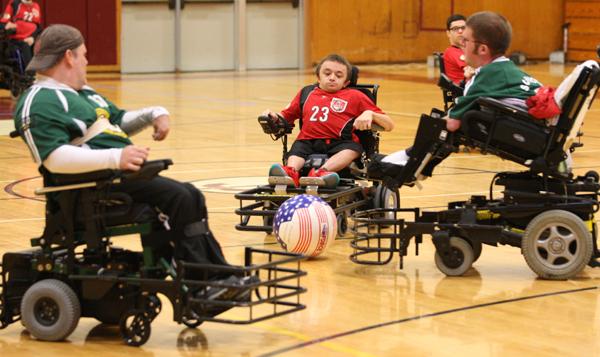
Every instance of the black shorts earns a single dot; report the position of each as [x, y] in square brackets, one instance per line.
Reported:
[305, 148]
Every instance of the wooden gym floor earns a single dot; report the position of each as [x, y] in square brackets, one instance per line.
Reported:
[499, 308]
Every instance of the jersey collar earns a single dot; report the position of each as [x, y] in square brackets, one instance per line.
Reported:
[51, 83]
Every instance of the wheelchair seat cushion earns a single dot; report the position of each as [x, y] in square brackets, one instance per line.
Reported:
[523, 138]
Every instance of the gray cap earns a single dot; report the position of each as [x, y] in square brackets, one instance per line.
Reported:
[50, 47]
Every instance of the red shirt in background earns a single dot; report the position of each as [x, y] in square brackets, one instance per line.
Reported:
[27, 18]
[454, 64]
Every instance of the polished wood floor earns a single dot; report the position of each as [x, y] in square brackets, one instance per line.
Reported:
[499, 308]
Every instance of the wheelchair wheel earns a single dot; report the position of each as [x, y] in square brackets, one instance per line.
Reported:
[135, 328]
[592, 176]
[477, 248]
[557, 245]
[191, 322]
[342, 224]
[50, 310]
[459, 258]
[387, 199]
[153, 306]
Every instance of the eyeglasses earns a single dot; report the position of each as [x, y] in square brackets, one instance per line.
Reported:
[457, 28]
[464, 40]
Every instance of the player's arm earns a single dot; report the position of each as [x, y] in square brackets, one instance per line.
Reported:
[366, 119]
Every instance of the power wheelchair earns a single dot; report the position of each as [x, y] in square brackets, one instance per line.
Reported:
[73, 270]
[353, 192]
[546, 210]
[13, 73]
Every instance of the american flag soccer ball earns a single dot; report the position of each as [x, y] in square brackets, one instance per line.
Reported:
[305, 224]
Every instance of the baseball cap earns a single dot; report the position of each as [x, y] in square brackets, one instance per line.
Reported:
[52, 44]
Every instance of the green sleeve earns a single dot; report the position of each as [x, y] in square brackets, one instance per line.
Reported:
[51, 127]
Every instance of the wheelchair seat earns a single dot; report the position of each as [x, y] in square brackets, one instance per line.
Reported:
[508, 131]
[80, 209]
[369, 139]
[512, 134]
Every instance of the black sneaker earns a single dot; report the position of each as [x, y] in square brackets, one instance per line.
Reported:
[238, 289]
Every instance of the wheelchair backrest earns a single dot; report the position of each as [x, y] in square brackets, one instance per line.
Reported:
[449, 90]
[575, 95]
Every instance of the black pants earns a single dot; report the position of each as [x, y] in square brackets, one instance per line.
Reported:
[25, 50]
[186, 208]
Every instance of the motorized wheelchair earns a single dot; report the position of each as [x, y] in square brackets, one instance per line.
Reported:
[13, 73]
[546, 210]
[355, 190]
[73, 270]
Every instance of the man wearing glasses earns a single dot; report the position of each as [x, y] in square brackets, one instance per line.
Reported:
[484, 41]
[454, 58]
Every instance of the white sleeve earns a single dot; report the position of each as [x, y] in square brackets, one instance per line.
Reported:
[69, 159]
[135, 121]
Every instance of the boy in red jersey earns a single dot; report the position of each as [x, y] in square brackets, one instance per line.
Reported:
[24, 18]
[329, 116]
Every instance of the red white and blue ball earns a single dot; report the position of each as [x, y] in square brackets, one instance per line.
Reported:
[305, 224]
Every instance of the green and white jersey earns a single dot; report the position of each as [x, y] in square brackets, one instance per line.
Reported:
[499, 79]
[56, 114]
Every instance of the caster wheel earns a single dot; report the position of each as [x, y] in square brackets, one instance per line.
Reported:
[459, 260]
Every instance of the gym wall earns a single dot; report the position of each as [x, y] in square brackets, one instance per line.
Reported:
[381, 31]
[98, 21]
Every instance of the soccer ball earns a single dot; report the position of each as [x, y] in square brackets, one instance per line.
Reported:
[305, 224]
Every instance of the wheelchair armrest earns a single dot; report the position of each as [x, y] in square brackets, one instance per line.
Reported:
[149, 170]
[497, 106]
[63, 182]
[376, 127]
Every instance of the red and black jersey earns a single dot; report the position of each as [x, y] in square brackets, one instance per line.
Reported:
[27, 17]
[329, 115]
[454, 64]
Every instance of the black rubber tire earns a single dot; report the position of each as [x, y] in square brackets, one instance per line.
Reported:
[592, 175]
[50, 310]
[342, 224]
[135, 328]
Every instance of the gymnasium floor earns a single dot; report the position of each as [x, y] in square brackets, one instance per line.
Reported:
[499, 308]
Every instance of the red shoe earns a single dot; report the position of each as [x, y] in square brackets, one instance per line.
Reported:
[331, 178]
[280, 170]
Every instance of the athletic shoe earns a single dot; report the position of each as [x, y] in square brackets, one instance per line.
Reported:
[397, 158]
[331, 178]
[280, 170]
[235, 289]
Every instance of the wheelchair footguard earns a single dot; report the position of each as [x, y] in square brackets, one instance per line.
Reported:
[552, 221]
[262, 202]
[36, 289]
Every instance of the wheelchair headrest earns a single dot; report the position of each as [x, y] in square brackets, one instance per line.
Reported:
[566, 85]
[353, 76]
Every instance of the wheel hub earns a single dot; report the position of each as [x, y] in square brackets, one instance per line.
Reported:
[557, 245]
[46, 311]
